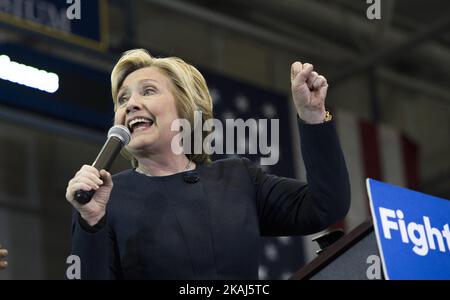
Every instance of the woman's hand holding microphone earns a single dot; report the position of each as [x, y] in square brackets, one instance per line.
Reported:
[89, 178]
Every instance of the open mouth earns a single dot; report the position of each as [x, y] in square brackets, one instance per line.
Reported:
[139, 123]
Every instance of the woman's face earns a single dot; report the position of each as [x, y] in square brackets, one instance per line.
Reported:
[146, 105]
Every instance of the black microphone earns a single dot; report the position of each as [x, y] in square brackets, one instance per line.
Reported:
[118, 136]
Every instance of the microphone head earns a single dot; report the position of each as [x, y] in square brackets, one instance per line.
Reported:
[121, 132]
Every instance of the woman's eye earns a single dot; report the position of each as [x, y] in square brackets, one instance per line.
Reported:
[149, 91]
[122, 100]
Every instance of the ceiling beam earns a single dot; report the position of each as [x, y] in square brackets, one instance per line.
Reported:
[255, 31]
[392, 52]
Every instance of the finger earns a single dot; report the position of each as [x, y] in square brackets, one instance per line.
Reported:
[76, 187]
[84, 180]
[319, 82]
[3, 264]
[305, 73]
[3, 253]
[89, 169]
[88, 181]
[296, 68]
[107, 179]
[84, 173]
[79, 186]
[323, 90]
[311, 79]
[87, 174]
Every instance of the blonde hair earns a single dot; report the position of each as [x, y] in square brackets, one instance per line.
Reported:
[188, 87]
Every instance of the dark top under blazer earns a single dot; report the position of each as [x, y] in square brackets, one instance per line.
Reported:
[166, 228]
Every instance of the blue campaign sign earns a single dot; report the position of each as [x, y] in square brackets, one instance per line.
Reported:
[412, 231]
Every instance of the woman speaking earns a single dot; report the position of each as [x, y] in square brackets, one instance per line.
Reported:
[154, 222]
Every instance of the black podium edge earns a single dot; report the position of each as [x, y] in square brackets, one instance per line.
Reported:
[334, 251]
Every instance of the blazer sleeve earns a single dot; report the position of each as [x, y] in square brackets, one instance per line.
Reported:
[97, 249]
[287, 206]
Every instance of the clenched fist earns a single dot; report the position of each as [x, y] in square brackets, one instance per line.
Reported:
[85, 179]
[3, 254]
[309, 90]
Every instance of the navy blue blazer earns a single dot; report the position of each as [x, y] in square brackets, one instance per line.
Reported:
[166, 228]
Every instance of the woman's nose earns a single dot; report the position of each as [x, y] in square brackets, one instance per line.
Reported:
[133, 104]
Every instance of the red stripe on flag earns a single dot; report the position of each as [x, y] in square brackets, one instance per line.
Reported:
[410, 162]
[371, 152]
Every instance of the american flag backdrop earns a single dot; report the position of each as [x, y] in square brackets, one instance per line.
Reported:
[280, 256]
[371, 150]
